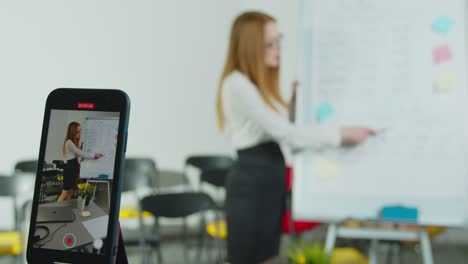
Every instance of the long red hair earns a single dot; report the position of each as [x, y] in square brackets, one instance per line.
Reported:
[72, 131]
[246, 53]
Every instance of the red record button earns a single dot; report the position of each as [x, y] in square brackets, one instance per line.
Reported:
[69, 240]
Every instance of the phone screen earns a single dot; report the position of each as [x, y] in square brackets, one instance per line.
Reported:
[76, 182]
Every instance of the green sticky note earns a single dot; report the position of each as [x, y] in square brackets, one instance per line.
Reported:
[445, 83]
[324, 111]
[443, 25]
[326, 168]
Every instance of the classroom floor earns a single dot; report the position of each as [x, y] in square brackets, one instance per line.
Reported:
[172, 254]
[449, 248]
[443, 254]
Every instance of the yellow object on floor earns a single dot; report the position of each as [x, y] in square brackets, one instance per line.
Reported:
[352, 224]
[348, 256]
[82, 186]
[132, 212]
[432, 231]
[10, 243]
[435, 230]
[217, 229]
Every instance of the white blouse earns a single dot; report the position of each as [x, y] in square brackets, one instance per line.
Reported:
[250, 121]
[72, 152]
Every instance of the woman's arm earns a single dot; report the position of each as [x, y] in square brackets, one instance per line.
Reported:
[78, 152]
[293, 102]
[246, 100]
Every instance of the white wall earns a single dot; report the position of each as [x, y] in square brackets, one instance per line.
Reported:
[167, 55]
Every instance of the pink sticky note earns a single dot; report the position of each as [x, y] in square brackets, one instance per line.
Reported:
[442, 54]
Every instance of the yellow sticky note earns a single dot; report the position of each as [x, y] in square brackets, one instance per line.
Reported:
[444, 83]
[87, 165]
[327, 168]
[85, 213]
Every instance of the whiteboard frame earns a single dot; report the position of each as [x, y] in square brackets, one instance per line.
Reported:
[299, 159]
[111, 177]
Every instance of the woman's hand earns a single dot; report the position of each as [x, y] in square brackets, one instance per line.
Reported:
[292, 103]
[355, 135]
[295, 84]
[98, 155]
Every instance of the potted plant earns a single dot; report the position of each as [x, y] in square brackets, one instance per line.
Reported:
[86, 193]
[308, 253]
[314, 253]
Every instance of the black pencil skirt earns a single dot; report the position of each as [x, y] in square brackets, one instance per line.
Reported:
[255, 199]
[70, 174]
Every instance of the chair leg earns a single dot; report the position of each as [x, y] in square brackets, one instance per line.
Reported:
[149, 255]
[211, 251]
[159, 253]
[220, 248]
[219, 251]
[202, 238]
[142, 247]
[141, 240]
[396, 252]
[185, 238]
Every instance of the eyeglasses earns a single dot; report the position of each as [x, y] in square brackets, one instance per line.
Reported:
[275, 43]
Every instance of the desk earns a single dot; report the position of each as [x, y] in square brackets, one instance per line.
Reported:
[95, 181]
[83, 237]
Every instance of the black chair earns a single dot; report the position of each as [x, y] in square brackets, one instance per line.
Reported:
[19, 187]
[174, 205]
[59, 164]
[215, 177]
[55, 176]
[49, 175]
[28, 166]
[139, 173]
[209, 162]
[171, 179]
[51, 186]
[7, 186]
[213, 169]
[8, 189]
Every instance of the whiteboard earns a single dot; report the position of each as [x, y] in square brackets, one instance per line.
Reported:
[100, 137]
[397, 66]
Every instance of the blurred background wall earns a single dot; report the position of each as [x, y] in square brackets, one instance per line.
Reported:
[167, 55]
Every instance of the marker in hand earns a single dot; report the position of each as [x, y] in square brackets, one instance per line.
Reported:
[382, 130]
[356, 135]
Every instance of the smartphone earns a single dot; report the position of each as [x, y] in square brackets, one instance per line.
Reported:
[74, 216]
